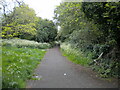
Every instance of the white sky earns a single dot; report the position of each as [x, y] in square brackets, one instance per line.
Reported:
[43, 8]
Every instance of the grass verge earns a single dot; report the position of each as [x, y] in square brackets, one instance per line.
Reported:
[0, 67]
[18, 65]
[74, 55]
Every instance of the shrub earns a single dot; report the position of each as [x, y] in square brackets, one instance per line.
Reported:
[0, 67]
[24, 43]
[74, 54]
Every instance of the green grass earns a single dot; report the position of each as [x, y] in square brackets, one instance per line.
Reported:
[74, 55]
[0, 67]
[18, 65]
[24, 43]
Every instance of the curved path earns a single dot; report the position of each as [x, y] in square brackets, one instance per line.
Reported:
[58, 72]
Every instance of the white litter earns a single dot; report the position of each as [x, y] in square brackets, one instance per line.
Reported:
[64, 73]
[36, 76]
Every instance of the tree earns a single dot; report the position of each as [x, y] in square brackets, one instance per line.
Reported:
[46, 30]
[92, 28]
[106, 15]
[19, 23]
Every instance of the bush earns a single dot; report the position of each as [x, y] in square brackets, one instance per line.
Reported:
[74, 54]
[106, 68]
[24, 43]
[107, 65]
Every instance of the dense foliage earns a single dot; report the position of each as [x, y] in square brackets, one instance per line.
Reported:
[92, 28]
[19, 23]
[46, 30]
[106, 15]
[22, 22]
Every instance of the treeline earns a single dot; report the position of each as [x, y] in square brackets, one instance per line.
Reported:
[22, 22]
[93, 29]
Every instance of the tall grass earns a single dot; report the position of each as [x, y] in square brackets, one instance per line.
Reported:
[24, 43]
[74, 55]
[19, 59]
[18, 65]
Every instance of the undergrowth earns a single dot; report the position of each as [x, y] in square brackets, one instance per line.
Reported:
[24, 43]
[0, 67]
[74, 55]
[18, 65]
[106, 65]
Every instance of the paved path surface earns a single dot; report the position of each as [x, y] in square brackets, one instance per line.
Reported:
[58, 72]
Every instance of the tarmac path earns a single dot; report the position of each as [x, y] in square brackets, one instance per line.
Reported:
[55, 71]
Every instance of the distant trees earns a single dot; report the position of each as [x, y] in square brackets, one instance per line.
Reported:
[46, 30]
[68, 16]
[23, 23]
[75, 27]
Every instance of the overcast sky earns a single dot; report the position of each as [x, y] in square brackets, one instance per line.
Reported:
[43, 8]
